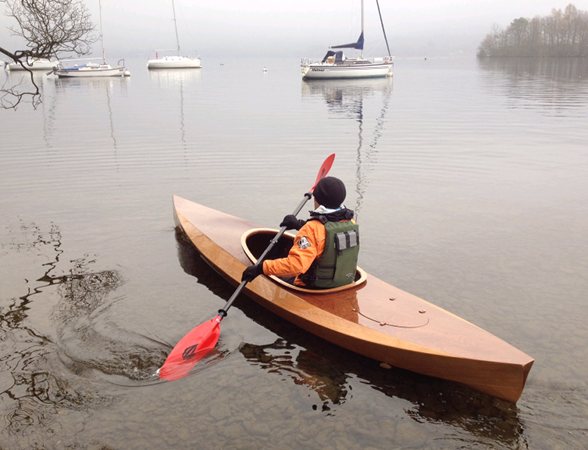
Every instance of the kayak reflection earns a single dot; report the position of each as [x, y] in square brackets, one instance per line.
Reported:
[302, 367]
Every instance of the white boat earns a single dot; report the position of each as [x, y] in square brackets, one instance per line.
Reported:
[33, 64]
[174, 62]
[93, 69]
[335, 65]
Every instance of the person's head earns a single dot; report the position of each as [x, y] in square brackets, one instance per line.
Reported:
[330, 192]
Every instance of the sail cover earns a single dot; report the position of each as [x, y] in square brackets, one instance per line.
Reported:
[338, 56]
[356, 45]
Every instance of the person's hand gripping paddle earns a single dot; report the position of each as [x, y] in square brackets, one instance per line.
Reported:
[203, 338]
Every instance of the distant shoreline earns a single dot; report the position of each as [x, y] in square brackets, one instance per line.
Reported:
[561, 34]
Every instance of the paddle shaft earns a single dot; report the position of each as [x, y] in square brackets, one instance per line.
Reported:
[203, 338]
[223, 311]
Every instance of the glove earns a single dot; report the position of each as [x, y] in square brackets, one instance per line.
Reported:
[292, 223]
[251, 272]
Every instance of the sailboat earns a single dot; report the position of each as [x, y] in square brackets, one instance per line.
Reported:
[33, 64]
[336, 65]
[90, 68]
[176, 61]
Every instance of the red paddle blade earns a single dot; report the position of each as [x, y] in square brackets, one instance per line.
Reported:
[324, 170]
[190, 349]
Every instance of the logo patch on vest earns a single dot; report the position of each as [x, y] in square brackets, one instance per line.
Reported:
[304, 243]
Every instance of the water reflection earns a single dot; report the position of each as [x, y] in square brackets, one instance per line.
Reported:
[331, 372]
[34, 386]
[176, 80]
[48, 109]
[173, 78]
[100, 92]
[345, 99]
[64, 85]
[16, 82]
[302, 367]
[558, 86]
[31, 391]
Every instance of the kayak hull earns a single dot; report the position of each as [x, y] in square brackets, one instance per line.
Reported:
[372, 318]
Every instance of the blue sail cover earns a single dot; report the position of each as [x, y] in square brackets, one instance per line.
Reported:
[356, 45]
[338, 56]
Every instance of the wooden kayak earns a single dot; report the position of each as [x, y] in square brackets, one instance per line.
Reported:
[371, 317]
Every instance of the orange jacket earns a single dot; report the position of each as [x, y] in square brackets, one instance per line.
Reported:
[308, 245]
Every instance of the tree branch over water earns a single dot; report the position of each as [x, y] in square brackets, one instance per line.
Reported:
[50, 29]
[563, 33]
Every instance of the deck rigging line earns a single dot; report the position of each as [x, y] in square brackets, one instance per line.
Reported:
[382, 324]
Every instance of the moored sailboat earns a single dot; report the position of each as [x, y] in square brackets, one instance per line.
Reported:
[336, 65]
[174, 61]
[33, 64]
[90, 68]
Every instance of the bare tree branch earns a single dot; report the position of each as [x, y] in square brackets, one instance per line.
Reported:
[12, 96]
[51, 29]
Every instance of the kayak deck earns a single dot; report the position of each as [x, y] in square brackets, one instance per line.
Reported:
[373, 318]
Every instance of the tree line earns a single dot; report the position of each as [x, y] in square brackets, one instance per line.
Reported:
[563, 33]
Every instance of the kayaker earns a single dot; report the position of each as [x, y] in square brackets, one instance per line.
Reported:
[325, 249]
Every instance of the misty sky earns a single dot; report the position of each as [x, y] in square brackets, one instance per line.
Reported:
[301, 28]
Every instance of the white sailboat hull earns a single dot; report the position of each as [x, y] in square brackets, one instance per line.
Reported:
[37, 64]
[174, 62]
[335, 65]
[325, 71]
[94, 70]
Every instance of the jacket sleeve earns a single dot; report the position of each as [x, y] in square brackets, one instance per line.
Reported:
[309, 243]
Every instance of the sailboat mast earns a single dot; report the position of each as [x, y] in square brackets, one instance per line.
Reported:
[383, 29]
[361, 54]
[101, 35]
[176, 27]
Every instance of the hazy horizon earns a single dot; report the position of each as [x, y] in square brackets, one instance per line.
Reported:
[300, 28]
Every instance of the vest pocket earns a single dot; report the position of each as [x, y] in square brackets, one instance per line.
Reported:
[346, 239]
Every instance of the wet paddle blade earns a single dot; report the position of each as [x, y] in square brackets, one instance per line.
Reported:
[194, 346]
[324, 170]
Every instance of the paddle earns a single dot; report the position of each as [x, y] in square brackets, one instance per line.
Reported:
[203, 338]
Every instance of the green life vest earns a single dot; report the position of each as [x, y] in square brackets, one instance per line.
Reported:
[338, 263]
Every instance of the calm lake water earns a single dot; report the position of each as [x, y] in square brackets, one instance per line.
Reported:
[470, 180]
